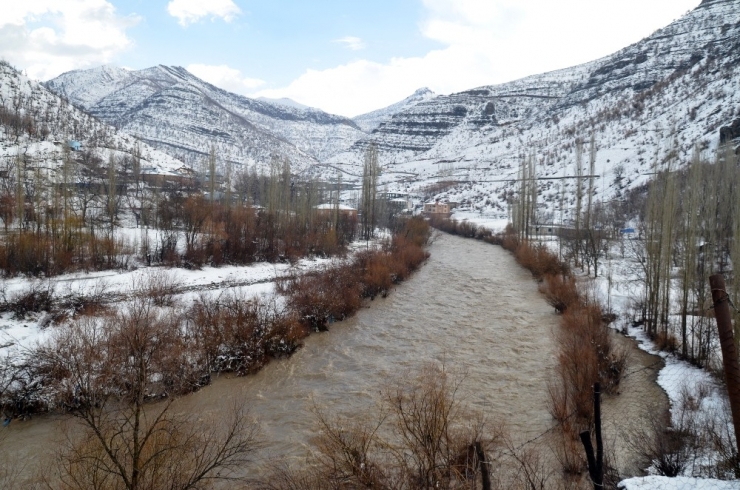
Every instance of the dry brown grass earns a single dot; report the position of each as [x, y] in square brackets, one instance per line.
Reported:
[667, 342]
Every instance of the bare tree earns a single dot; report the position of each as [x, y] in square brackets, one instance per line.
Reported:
[422, 436]
[106, 372]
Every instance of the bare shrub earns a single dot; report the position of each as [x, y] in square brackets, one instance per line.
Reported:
[283, 477]
[665, 449]
[239, 334]
[155, 448]
[569, 451]
[538, 259]
[347, 452]
[560, 291]
[527, 468]
[377, 273]
[159, 286]
[422, 436]
[38, 296]
[432, 424]
[324, 297]
[90, 302]
[666, 341]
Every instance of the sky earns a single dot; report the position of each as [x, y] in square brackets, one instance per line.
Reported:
[346, 57]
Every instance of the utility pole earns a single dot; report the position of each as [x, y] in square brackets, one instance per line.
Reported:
[722, 313]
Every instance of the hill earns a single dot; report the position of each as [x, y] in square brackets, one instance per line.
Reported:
[646, 104]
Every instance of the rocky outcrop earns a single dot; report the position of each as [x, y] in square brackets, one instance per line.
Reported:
[730, 133]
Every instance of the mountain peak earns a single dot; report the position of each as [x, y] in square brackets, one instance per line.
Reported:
[372, 120]
[179, 113]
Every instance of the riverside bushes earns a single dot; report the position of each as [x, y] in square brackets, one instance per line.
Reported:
[337, 292]
[236, 334]
[464, 229]
[225, 333]
[560, 291]
[50, 254]
[586, 353]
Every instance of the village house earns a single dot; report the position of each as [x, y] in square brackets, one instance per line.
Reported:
[160, 178]
[437, 209]
[400, 205]
[326, 210]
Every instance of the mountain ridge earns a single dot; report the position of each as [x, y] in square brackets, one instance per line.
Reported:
[176, 111]
[673, 88]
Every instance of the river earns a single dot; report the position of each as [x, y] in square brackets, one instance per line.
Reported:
[471, 307]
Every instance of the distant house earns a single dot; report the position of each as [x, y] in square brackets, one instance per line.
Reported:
[327, 210]
[400, 205]
[187, 171]
[437, 209]
[161, 178]
[394, 195]
[74, 145]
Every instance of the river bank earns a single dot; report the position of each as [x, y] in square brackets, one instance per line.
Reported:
[698, 405]
[471, 308]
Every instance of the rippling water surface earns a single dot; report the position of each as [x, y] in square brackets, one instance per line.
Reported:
[470, 307]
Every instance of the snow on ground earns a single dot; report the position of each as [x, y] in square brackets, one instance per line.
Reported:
[679, 483]
[493, 222]
[256, 280]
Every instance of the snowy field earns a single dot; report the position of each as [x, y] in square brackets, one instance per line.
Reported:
[19, 334]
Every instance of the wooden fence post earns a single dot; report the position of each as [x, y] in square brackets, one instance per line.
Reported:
[595, 462]
[729, 353]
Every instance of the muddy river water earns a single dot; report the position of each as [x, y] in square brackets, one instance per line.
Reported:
[470, 307]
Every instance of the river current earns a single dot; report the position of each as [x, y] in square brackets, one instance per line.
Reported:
[471, 308]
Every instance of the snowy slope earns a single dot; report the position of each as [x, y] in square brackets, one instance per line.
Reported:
[372, 120]
[181, 114]
[55, 119]
[670, 91]
[283, 101]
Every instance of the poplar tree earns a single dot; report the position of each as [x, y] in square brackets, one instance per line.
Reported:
[111, 204]
[20, 169]
[370, 175]
[579, 200]
[689, 225]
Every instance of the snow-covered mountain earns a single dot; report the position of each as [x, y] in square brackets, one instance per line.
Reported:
[180, 114]
[372, 120]
[283, 101]
[35, 124]
[648, 102]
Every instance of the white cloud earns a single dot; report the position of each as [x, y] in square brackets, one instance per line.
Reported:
[485, 42]
[225, 77]
[62, 36]
[191, 11]
[352, 42]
